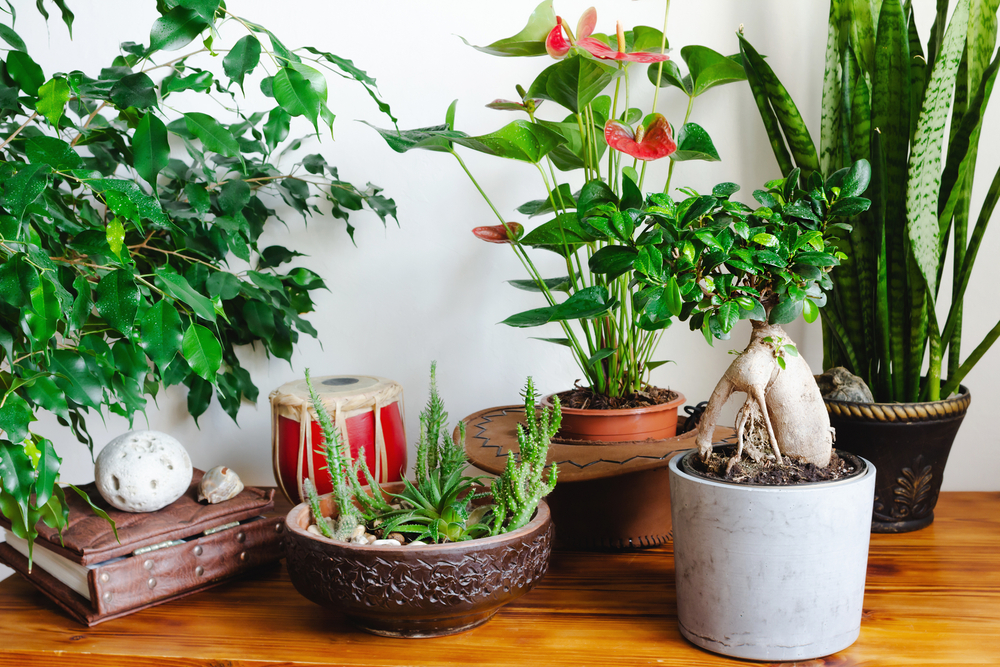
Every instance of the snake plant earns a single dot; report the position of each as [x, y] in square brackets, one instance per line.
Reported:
[887, 99]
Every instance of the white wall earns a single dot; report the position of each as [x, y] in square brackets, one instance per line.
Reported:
[428, 289]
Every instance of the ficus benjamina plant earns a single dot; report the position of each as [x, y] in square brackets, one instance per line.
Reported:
[578, 119]
[887, 99]
[129, 227]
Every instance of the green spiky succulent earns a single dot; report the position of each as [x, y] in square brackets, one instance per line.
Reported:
[442, 503]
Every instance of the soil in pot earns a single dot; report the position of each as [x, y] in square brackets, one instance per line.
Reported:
[647, 415]
[768, 473]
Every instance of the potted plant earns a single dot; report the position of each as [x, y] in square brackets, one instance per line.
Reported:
[433, 556]
[886, 99]
[121, 215]
[771, 534]
[611, 331]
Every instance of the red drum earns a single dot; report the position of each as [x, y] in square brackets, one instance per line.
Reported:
[368, 414]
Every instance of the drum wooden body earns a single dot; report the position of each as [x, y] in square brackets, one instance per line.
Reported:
[368, 413]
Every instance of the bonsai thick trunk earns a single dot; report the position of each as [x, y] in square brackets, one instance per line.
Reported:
[783, 406]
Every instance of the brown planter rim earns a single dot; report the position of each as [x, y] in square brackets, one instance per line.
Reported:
[946, 408]
[618, 412]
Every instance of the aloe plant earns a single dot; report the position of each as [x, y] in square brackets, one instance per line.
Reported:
[886, 98]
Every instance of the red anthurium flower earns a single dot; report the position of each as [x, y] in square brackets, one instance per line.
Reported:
[560, 40]
[650, 142]
[499, 233]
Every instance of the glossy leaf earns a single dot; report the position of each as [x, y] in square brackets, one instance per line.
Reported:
[693, 143]
[25, 72]
[560, 235]
[434, 138]
[118, 300]
[135, 90]
[52, 98]
[519, 140]
[95, 509]
[573, 82]
[178, 287]
[202, 351]
[52, 151]
[175, 29]
[709, 68]
[160, 333]
[150, 147]
[242, 59]
[670, 76]
[213, 136]
[553, 284]
[530, 41]
[301, 91]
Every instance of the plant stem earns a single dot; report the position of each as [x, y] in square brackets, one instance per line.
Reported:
[18, 130]
[670, 170]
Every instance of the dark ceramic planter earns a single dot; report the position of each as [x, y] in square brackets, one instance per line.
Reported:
[909, 445]
[654, 422]
[421, 591]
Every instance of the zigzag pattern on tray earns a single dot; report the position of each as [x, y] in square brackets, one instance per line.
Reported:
[500, 453]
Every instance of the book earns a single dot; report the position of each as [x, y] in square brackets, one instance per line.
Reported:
[160, 556]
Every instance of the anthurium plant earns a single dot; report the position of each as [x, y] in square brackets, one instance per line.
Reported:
[916, 113]
[129, 227]
[586, 140]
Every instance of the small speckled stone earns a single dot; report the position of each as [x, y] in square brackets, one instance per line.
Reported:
[396, 536]
[143, 471]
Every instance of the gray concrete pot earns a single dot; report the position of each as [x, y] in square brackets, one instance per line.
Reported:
[770, 573]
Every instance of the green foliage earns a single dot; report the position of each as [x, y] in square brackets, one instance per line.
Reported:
[441, 504]
[612, 351]
[522, 484]
[129, 231]
[887, 99]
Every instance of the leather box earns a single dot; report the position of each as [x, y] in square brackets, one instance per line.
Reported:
[121, 582]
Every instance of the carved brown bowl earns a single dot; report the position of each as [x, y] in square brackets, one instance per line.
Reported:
[417, 591]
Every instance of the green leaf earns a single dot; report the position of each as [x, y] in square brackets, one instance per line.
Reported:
[150, 148]
[786, 311]
[48, 471]
[729, 315]
[671, 76]
[519, 140]
[709, 68]
[160, 333]
[434, 138]
[613, 261]
[530, 41]
[810, 311]
[242, 59]
[573, 82]
[561, 194]
[300, 90]
[135, 90]
[178, 287]
[52, 98]
[45, 313]
[118, 300]
[603, 353]
[25, 72]
[204, 8]
[17, 279]
[234, 195]
[8, 35]
[260, 319]
[924, 180]
[693, 143]
[15, 415]
[145, 206]
[553, 284]
[21, 190]
[213, 136]
[202, 351]
[83, 303]
[17, 476]
[75, 378]
[587, 303]
[54, 152]
[199, 81]
[561, 235]
[96, 510]
[851, 206]
[856, 180]
[276, 127]
[175, 30]
[224, 285]
[765, 239]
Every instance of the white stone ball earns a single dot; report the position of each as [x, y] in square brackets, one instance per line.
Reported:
[143, 471]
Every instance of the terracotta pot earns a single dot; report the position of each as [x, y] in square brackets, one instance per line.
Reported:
[654, 422]
[417, 591]
[909, 445]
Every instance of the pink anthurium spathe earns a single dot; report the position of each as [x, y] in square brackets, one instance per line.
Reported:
[500, 233]
[560, 40]
[649, 142]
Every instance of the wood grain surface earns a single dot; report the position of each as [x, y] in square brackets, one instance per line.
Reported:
[932, 598]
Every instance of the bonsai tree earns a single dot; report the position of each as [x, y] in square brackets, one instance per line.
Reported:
[886, 98]
[129, 256]
[713, 262]
[440, 505]
[587, 89]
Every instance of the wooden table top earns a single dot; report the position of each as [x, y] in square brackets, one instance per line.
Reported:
[932, 598]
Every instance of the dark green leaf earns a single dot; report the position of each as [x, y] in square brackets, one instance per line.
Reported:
[175, 29]
[96, 510]
[612, 260]
[213, 136]
[160, 333]
[25, 72]
[15, 415]
[435, 138]
[573, 82]
[135, 90]
[786, 311]
[849, 206]
[709, 68]
[118, 300]
[178, 287]
[12, 38]
[54, 152]
[693, 143]
[530, 41]
[553, 284]
[519, 140]
[260, 319]
[300, 90]
[150, 148]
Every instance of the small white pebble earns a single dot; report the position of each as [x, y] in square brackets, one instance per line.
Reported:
[314, 530]
[386, 543]
[360, 539]
[358, 531]
[417, 543]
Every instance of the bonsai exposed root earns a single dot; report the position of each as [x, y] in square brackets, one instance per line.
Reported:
[751, 436]
[783, 404]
